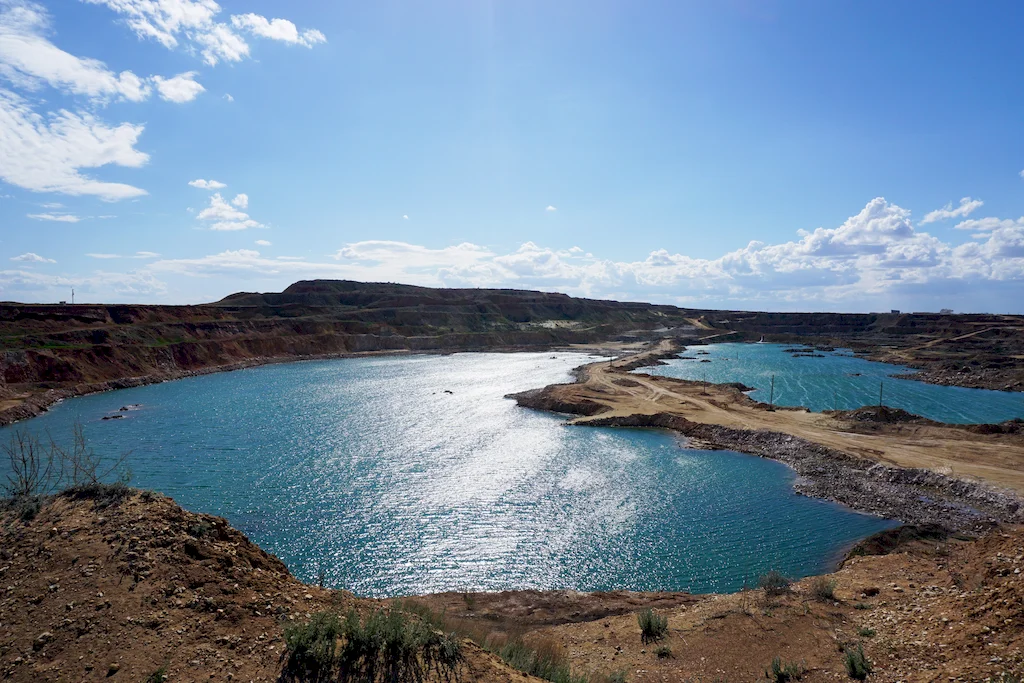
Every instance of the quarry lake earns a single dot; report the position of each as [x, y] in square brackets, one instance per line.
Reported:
[830, 380]
[413, 474]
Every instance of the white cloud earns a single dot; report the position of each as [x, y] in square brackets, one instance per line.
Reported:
[405, 216]
[136, 255]
[32, 258]
[29, 60]
[223, 216]
[97, 286]
[52, 205]
[228, 97]
[241, 201]
[967, 205]
[263, 243]
[550, 208]
[170, 22]
[986, 224]
[277, 29]
[206, 184]
[180, 88]
[46, 154]
[57, 217]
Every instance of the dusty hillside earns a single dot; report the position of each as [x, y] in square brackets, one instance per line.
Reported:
[123, 591]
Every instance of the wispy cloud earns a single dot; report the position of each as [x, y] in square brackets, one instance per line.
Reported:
[551, 208]
[195, 22]
[56, 217]
[967, 206]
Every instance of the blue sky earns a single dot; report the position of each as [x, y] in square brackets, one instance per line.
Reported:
[771, 155]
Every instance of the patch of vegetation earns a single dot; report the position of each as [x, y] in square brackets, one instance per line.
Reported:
[387, 645]
[866, 632]
[38, 470]
[664, 652]
[782, 672]
[824, 589]
[312, 647]
[862, 605]
[858, 666]
[543, 659]
[773, 584]
[653, 626]
[158, 676]
[534, 655]
[616, 677]
[199, 529]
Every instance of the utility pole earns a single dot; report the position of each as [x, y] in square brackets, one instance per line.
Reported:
[880, 385]
[72, 296]
[705, 389]
[835, 400]
[771, 396]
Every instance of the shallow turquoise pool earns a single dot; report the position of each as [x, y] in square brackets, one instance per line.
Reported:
[838, 380]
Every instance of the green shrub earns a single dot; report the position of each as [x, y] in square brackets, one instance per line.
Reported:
[782, 672]
[824, 589]
[387, 645]
[866, 632]
[158, 676]
[773, 583]
[663, 652]
[543, 659]
[862, 605]
[616, 677]
[857, 664]
[653, 626]
[312, 646]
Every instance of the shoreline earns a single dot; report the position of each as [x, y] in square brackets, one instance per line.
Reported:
[912, 495]
[36, 404]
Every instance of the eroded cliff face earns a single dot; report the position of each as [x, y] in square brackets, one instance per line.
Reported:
[51, 352]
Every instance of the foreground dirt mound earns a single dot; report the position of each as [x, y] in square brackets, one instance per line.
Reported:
[142, 587]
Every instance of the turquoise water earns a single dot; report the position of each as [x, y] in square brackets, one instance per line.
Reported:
[367, 470]
[840, 381]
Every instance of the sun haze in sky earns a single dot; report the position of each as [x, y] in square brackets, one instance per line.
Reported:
[796, 155]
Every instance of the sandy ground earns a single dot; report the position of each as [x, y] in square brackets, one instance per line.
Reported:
[994, 458]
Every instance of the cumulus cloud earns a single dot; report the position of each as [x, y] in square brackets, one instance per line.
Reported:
[56, 217]
[277, 29]
[206, 184]
[195, 22]
[47, 153]
[223, 215]
[550, 208]
[967, 205]
[180, 88]
[263, 243]
[31, 257]
[874, 255]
